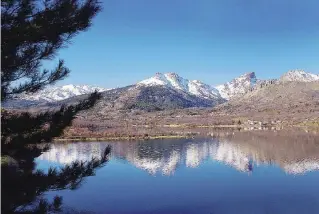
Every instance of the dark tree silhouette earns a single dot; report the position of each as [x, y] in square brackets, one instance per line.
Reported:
[21, 188]
[19, 131]
[31, 32]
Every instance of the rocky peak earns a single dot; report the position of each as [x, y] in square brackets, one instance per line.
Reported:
[239, 85]
[299, 75]
[172, 74]
[173, 80]
[251, 77]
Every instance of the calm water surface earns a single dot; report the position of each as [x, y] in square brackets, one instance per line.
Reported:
[239, 173]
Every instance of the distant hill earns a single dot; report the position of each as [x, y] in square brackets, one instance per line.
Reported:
[277, 98]
[299, 76]
[147, 98]
[50, 95]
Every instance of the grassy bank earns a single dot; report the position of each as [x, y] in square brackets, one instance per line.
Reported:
[169, 131]
[122, 138]
[200, 126]
[314, 124]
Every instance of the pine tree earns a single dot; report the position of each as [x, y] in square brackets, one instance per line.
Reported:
[31, 32]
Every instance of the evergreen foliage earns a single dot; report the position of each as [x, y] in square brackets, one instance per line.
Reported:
[31, 32]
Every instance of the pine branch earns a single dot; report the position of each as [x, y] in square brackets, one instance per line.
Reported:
[33, 31]
[20, 130]
[31, 34]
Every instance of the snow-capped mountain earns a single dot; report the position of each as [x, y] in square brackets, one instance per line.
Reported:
[172, 80]
[299, 76]
[162, 91]
[239, 85]
[57, 93]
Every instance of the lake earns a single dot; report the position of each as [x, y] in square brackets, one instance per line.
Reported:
[240, 172]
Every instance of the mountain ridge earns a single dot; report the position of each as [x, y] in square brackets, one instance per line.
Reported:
[173, 80]
[161, 91]
[58, 93]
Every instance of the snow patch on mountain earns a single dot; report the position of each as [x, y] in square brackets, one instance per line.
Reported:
[239, 85]
[300, 76]
[57, 93]
[172, 80]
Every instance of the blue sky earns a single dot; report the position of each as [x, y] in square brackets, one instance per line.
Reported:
[210, 40]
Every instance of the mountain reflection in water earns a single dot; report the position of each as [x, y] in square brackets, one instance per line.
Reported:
[294, 153]
[242, 172]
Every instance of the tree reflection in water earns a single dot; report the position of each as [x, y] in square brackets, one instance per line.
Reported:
[23, 186]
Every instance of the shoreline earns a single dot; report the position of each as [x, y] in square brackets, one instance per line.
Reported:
[186, 135]
[67, 139]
